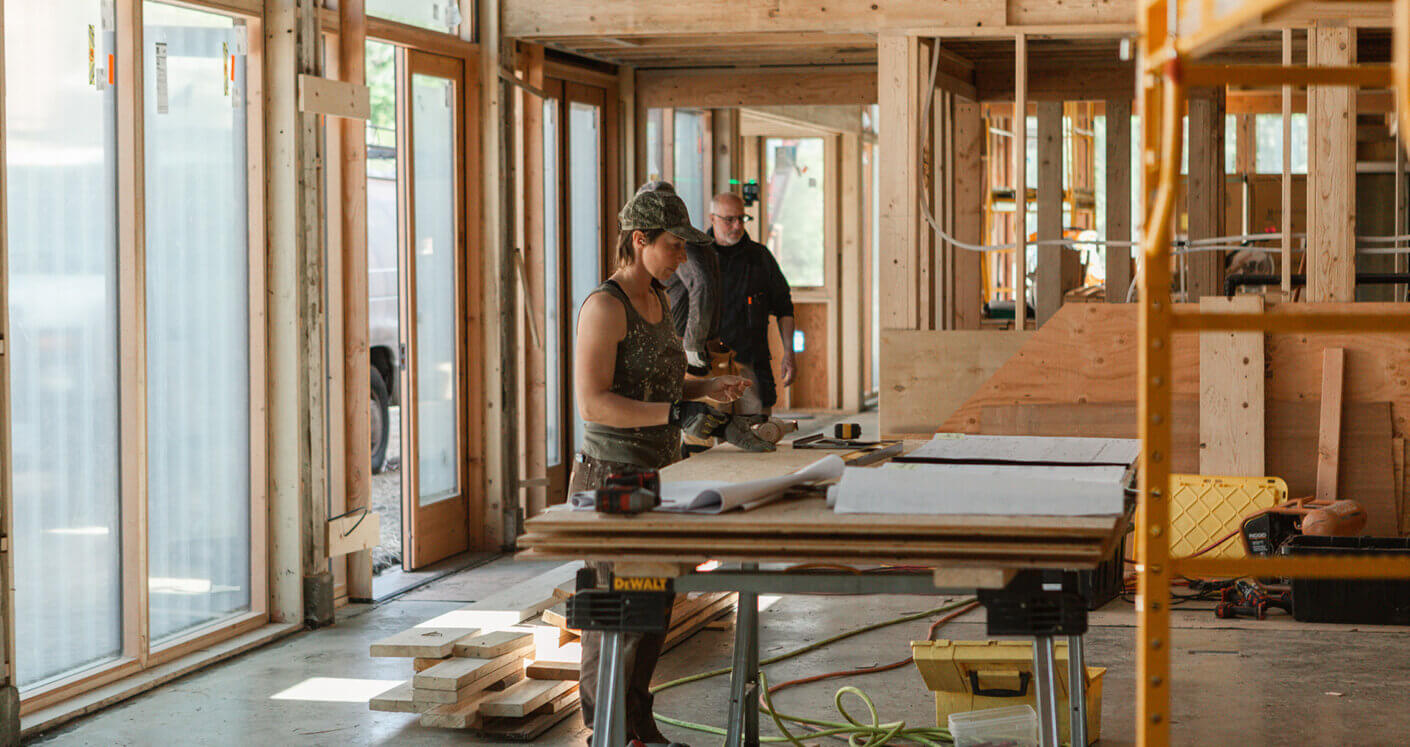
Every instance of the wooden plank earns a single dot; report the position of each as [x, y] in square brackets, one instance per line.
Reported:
[524, 698]
[495, 643]
[543, 669]
[334, 98]
[927, 375]
[1331, 175]
[1205, 193]
[464, 714]
[511, 606]
[425, 642]
[968, 196]
[740, 87]
[1231, 394]
[1118, 198]
[457, 677]
[1018, 173]
[1329, 430]
[734, 546]
[1049, 290]
[421, 664]
[354, 533]
[395, 700]
[530, 729]
[1405, 493]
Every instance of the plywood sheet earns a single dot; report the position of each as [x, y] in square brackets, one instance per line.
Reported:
[1086, 354]
[1231, 394]
[926, 375]
[1366, 474]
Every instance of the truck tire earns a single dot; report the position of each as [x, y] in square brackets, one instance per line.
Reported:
[381, 422]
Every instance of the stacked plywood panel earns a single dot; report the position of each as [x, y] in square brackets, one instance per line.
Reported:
[508, 666]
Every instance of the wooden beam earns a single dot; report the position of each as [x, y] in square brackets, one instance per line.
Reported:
[1205, 194]
[303, 588]
[1020, 182]
[1118, 198]
[500, 514]
[1050, 157]
[1331, 175]
[1050, 80]
[728, 145]
[757, 87]
[968, 196]
[898, 63]
[10, 725]
[1231, 400]
[851, 276]
[1329, 430]
[1285, 255]
[831, 119]
[529, 19]
[535, 372]
[1368, 101]
[357, 368]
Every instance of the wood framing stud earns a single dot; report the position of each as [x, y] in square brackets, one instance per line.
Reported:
[1331, 174]
[1050, 161]
[1204, 270]
[1118, 198]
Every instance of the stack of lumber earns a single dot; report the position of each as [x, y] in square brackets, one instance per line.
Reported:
[507, 666]
[802, 529]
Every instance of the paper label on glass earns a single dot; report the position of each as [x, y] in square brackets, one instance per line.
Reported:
[92, 38]
[227, 66]
[160, 59]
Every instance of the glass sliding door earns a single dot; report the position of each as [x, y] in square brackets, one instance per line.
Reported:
[197, 319]
[61, 167]
[553, 312]
[435, 501]
[585, 208]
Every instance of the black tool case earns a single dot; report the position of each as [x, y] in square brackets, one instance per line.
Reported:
[1364, 601]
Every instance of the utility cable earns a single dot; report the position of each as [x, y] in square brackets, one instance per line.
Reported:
[870, 735]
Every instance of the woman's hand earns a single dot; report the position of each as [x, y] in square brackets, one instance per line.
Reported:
[726, 388]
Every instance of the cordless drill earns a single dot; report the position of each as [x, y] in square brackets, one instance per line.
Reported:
[628, 493]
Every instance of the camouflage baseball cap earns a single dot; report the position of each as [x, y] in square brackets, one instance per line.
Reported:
[658, 209]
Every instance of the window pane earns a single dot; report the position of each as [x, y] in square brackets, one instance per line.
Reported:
[437, 15]
[794, 208]
[433, 184]
[584, 173]
[1270, 143]
[1231, 144]
[654, 146]
[61, 169]
[553, 323]
[876, 265]
[383, 239]
[690, 164]
[198, 368]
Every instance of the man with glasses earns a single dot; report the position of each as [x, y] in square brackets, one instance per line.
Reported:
[752, 288]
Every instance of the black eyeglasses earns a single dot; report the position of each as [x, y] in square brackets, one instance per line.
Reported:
[728, 219]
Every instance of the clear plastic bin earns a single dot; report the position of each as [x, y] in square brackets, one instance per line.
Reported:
[1016, 726]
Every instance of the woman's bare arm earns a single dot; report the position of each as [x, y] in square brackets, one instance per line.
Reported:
[602, 324]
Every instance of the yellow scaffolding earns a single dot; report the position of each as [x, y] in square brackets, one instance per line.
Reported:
[1167, 69]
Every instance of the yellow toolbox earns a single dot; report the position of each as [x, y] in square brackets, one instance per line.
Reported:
[953, 670]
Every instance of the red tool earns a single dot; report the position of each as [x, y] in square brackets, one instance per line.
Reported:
[1248, 598]
[628, 493]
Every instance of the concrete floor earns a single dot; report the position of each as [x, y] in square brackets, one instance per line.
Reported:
[1270, 683]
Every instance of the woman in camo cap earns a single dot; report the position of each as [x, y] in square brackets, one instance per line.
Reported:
[629, 379]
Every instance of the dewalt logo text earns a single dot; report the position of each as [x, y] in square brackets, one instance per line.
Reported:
[638, 584]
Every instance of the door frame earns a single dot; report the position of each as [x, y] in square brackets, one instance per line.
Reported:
[442, 529]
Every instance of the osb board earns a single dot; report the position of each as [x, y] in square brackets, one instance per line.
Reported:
[1291, 430]
[926, 375]
[811, 516]
[1087, 354]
